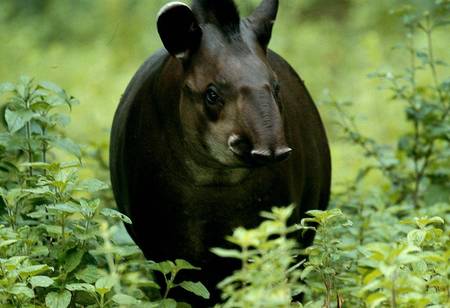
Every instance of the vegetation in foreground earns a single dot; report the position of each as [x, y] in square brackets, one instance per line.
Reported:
[387, 246]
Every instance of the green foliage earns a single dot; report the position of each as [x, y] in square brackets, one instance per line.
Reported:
[58, 245]
[378, 246]
[385, 242]
[269, 277]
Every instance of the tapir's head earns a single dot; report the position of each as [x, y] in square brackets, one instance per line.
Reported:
[229, 105]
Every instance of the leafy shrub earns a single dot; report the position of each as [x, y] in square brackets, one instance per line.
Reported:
[268, 277]
[58, 244]
[386, 246]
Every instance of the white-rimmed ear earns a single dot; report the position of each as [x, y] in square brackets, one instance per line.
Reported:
[178, 29]
[262, 20]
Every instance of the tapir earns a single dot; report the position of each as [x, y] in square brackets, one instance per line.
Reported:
[213, 129]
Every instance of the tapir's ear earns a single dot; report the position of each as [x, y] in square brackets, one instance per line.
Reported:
[178, 29]
[262, 20]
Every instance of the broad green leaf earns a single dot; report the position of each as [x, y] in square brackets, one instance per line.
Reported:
[69, 146]
[115, 214]
[195, 287]
[89, 274]
[38, 190]
[86, 287]
[104, 285]
[372, 276]
[123, 299]
[58, 300]
[22, 290]
[60, 119]
[39, 251]
[164, 267]
[7, 243]
[33, 270]
[16, 120]
[167, 303]
[40, 281]
[185, 265]
[51, 86]
[53, 229]
[92, 185]
[73, 259]
[375, 299]
[63, 208]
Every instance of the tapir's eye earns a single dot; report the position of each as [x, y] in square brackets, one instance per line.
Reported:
[211, 97]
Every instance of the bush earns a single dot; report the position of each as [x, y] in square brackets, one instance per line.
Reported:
[58, 244]
[383, 246]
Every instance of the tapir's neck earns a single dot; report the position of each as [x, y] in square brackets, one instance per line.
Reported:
[207, 176]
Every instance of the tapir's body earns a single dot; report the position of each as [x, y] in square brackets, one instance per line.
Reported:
[183, 201]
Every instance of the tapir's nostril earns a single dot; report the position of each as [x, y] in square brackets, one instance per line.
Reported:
[264, 156]
[282, 153]
[239, 145]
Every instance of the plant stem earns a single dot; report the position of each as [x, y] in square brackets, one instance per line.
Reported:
[63, 235]
[416, 125]
[44, 145]
[428, 32]
[393, 292]
[28, 136]
[169, 284]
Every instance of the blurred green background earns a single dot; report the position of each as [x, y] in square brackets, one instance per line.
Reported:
[92, 49]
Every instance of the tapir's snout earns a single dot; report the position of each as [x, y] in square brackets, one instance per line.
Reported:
[258, 155]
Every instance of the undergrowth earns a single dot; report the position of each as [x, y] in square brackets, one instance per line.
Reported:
[381, 246]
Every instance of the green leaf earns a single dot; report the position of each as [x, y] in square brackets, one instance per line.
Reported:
[69, 146]
[60, 119]
[89, 274]
[306, 271]
[164, 267]
[33, 270]
[63, 208]
[16, 120]
[21, 289]
[184, 265]
[104, 285]
[7, 243]
[86, 287]
[51, 86]
[375, 299]
[115, 214]
[195, 287]
[167, 303]
[53, 229]
[372, 276]
[123, 299]
[227, 253]
[58, 300]
[92, 185]
[40, 281]
[73, 259]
